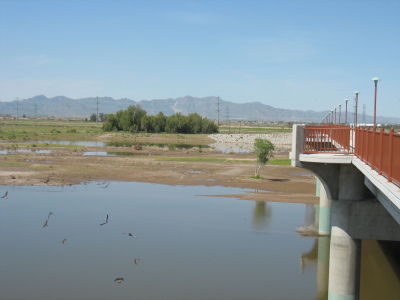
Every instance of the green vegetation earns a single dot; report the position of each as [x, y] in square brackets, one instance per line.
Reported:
[192, 159]
[135, 119]
[263, 149]
[34, 130]
[280, 161]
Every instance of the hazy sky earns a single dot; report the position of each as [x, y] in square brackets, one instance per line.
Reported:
[295, 54]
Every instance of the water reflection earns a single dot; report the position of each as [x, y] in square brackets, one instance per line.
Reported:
[261, 215]
[12, 151]
[106, 153]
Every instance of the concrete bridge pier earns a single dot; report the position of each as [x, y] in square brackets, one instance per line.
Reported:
[343, 184]
[323, 267]
[324, 224]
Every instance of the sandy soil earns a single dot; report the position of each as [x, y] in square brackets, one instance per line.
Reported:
[68, 166]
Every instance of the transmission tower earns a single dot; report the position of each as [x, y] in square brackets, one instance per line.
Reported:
[17, 110]
[227, 118]
[97, 112]
[218, 112]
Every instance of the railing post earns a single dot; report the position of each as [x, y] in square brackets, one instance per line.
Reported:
[380, 151]
[365, 146]
[373, 149]
[391, 137]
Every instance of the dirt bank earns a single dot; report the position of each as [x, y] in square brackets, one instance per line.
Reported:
[67, 166]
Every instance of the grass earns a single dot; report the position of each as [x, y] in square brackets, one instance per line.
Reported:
[30, 130]
[280, 161]
[12, 164]
[192, 159]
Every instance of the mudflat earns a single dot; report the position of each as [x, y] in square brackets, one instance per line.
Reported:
[189, 167]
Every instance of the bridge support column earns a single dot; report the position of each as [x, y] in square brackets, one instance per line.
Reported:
[323, 267]
[344, 266]
[345, 251]
[324, 226]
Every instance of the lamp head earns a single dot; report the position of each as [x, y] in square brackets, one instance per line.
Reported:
[346, 100]
[375, 79]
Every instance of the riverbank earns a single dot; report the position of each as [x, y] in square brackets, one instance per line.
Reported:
[194, 166]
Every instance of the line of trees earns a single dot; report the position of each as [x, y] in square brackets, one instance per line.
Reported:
[135, 119]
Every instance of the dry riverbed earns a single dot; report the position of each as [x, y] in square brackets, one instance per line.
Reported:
[68, 166]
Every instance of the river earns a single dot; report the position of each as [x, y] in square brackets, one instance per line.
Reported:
[186, 242]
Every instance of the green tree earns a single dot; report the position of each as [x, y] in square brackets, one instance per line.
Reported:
[263, 149]
[93, 118]
[160, 120]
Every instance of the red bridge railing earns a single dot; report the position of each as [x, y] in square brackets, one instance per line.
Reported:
[378, 149]
[327, 139]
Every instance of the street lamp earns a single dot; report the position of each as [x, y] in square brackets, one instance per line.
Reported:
[375, 79]
[340, 105]
[332, 116]
[355, 117]
[346, 100]
[335, 115]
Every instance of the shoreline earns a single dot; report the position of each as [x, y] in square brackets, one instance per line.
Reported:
[65, 166]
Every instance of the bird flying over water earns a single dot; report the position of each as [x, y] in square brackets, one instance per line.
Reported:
[5, 195]
[105, 221]
[119, 279]
[130, 234]
[46, 224]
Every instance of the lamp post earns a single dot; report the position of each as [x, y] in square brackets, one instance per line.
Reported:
[346, 100]
[335, 115]
[355, 117]
[332, 116]
[375, 79]
[340, 106]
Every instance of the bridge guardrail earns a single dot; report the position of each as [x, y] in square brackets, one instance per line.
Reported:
[378, 149]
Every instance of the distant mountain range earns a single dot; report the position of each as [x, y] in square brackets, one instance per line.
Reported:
[210, 107]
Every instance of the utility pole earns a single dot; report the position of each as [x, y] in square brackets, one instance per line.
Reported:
[218, 112]
[17, 110]
[97, 113]
[227, 118]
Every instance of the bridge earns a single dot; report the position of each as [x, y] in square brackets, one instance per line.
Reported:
[358, 175]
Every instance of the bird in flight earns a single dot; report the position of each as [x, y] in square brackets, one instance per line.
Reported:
[50, 213]
[5, 195]
[46, 224]
[105, 221]
[64, 241]
[136, 260]
[130, 234]
[119, 279]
